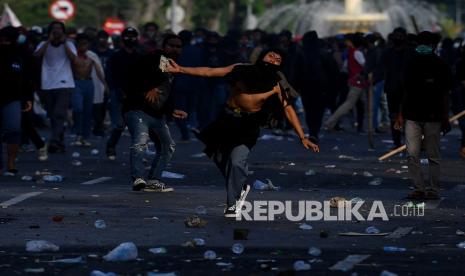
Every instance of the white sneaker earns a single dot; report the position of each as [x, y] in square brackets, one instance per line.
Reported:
[42, 153]
[240, 202]
[230, 212]
[138, 184]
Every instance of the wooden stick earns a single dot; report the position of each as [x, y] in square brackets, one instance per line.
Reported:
[404, 147]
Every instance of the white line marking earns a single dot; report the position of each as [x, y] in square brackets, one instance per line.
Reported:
[18, 199]
[97, 180]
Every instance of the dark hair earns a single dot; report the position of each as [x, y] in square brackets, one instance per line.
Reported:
[186, 37]
[59, 23]
[82, 38]
[103, 34]
[168, 37]
[400, 30]
[150, 24]
[274, 50]
[10, 33]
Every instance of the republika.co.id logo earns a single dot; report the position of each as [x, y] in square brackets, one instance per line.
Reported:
[305, 210]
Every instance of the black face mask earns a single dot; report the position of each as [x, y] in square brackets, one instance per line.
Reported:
[130, 43]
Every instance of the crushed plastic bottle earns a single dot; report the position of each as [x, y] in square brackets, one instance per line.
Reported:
[209, 255]
[201, 210]
[76, 163]
[94, 152]
[199, 242]
[262, 186]
[367, 174]
[26, 178]
[52, 178]
[75, 154]
[356, 200]
[372, 230]
[310, 172]
[314, 251]
[387, 273]
[376, 182]
[158, 250]
[166, 174]
[124, 252]
[76, 260]
[237, 248]
[100, 224]
[305, 226]
[41, 246]
[461, 245]
[424, 161]
[394, 249]
[301, 266]
[101, 273]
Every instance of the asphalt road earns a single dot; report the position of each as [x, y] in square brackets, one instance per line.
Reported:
[64, 213]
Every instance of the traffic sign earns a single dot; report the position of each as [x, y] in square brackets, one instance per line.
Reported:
[62, 10]
[114, 26]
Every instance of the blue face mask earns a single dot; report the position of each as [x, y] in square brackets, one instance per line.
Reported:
[21, 39]
[424, 50]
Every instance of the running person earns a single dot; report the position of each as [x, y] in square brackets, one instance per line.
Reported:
[232, 135]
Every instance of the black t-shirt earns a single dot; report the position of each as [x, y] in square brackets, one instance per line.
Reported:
[145, 76]
[428, 80]
[15, 76]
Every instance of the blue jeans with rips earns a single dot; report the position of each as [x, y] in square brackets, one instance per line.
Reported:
[140, 125]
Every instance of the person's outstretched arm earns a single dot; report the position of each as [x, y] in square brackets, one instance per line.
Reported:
[291, 115]
[207, 72]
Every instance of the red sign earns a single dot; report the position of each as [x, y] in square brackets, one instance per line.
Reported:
[62, 10]
[114, 26]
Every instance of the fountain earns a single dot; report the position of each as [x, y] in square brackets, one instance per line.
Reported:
[329, 17]
[354, 19]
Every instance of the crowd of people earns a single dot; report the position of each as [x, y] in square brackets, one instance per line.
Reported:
[201, 81]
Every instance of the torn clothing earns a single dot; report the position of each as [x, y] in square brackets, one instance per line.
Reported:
[232, 128]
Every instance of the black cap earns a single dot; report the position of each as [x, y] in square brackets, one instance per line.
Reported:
[130, 31]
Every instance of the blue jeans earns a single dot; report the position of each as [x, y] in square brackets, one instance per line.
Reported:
[82, 102]
[116, 115]
[377, 94]
[140, 125]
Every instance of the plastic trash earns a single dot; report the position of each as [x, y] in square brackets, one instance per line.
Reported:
[52, 178]
[172, 175]
[310, 172]
[100, 224]
[372, 230]
[387, 273]
[229, 265]
[301, 266]
[367, 174]
[201, 210]
[335, 148]
[76, 163]
[75, 154]
[34, 270]
[356, 200]
[199, 242]
[267, 137]
[41, 246]
[124, 252]
[424, 161]
[376, 182]
[461, 245]
[26, 178]
[305, 226]
[100, 273]
[94, 152]
[237, 248]
[262, 186]
[330, 166]
[158, 250]
[460, 233]
[209, 255]
[314, 251]
[394, 249]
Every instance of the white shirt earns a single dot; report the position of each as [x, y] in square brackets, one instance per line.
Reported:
[359, 57]
[99, 87]
[56, 67]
